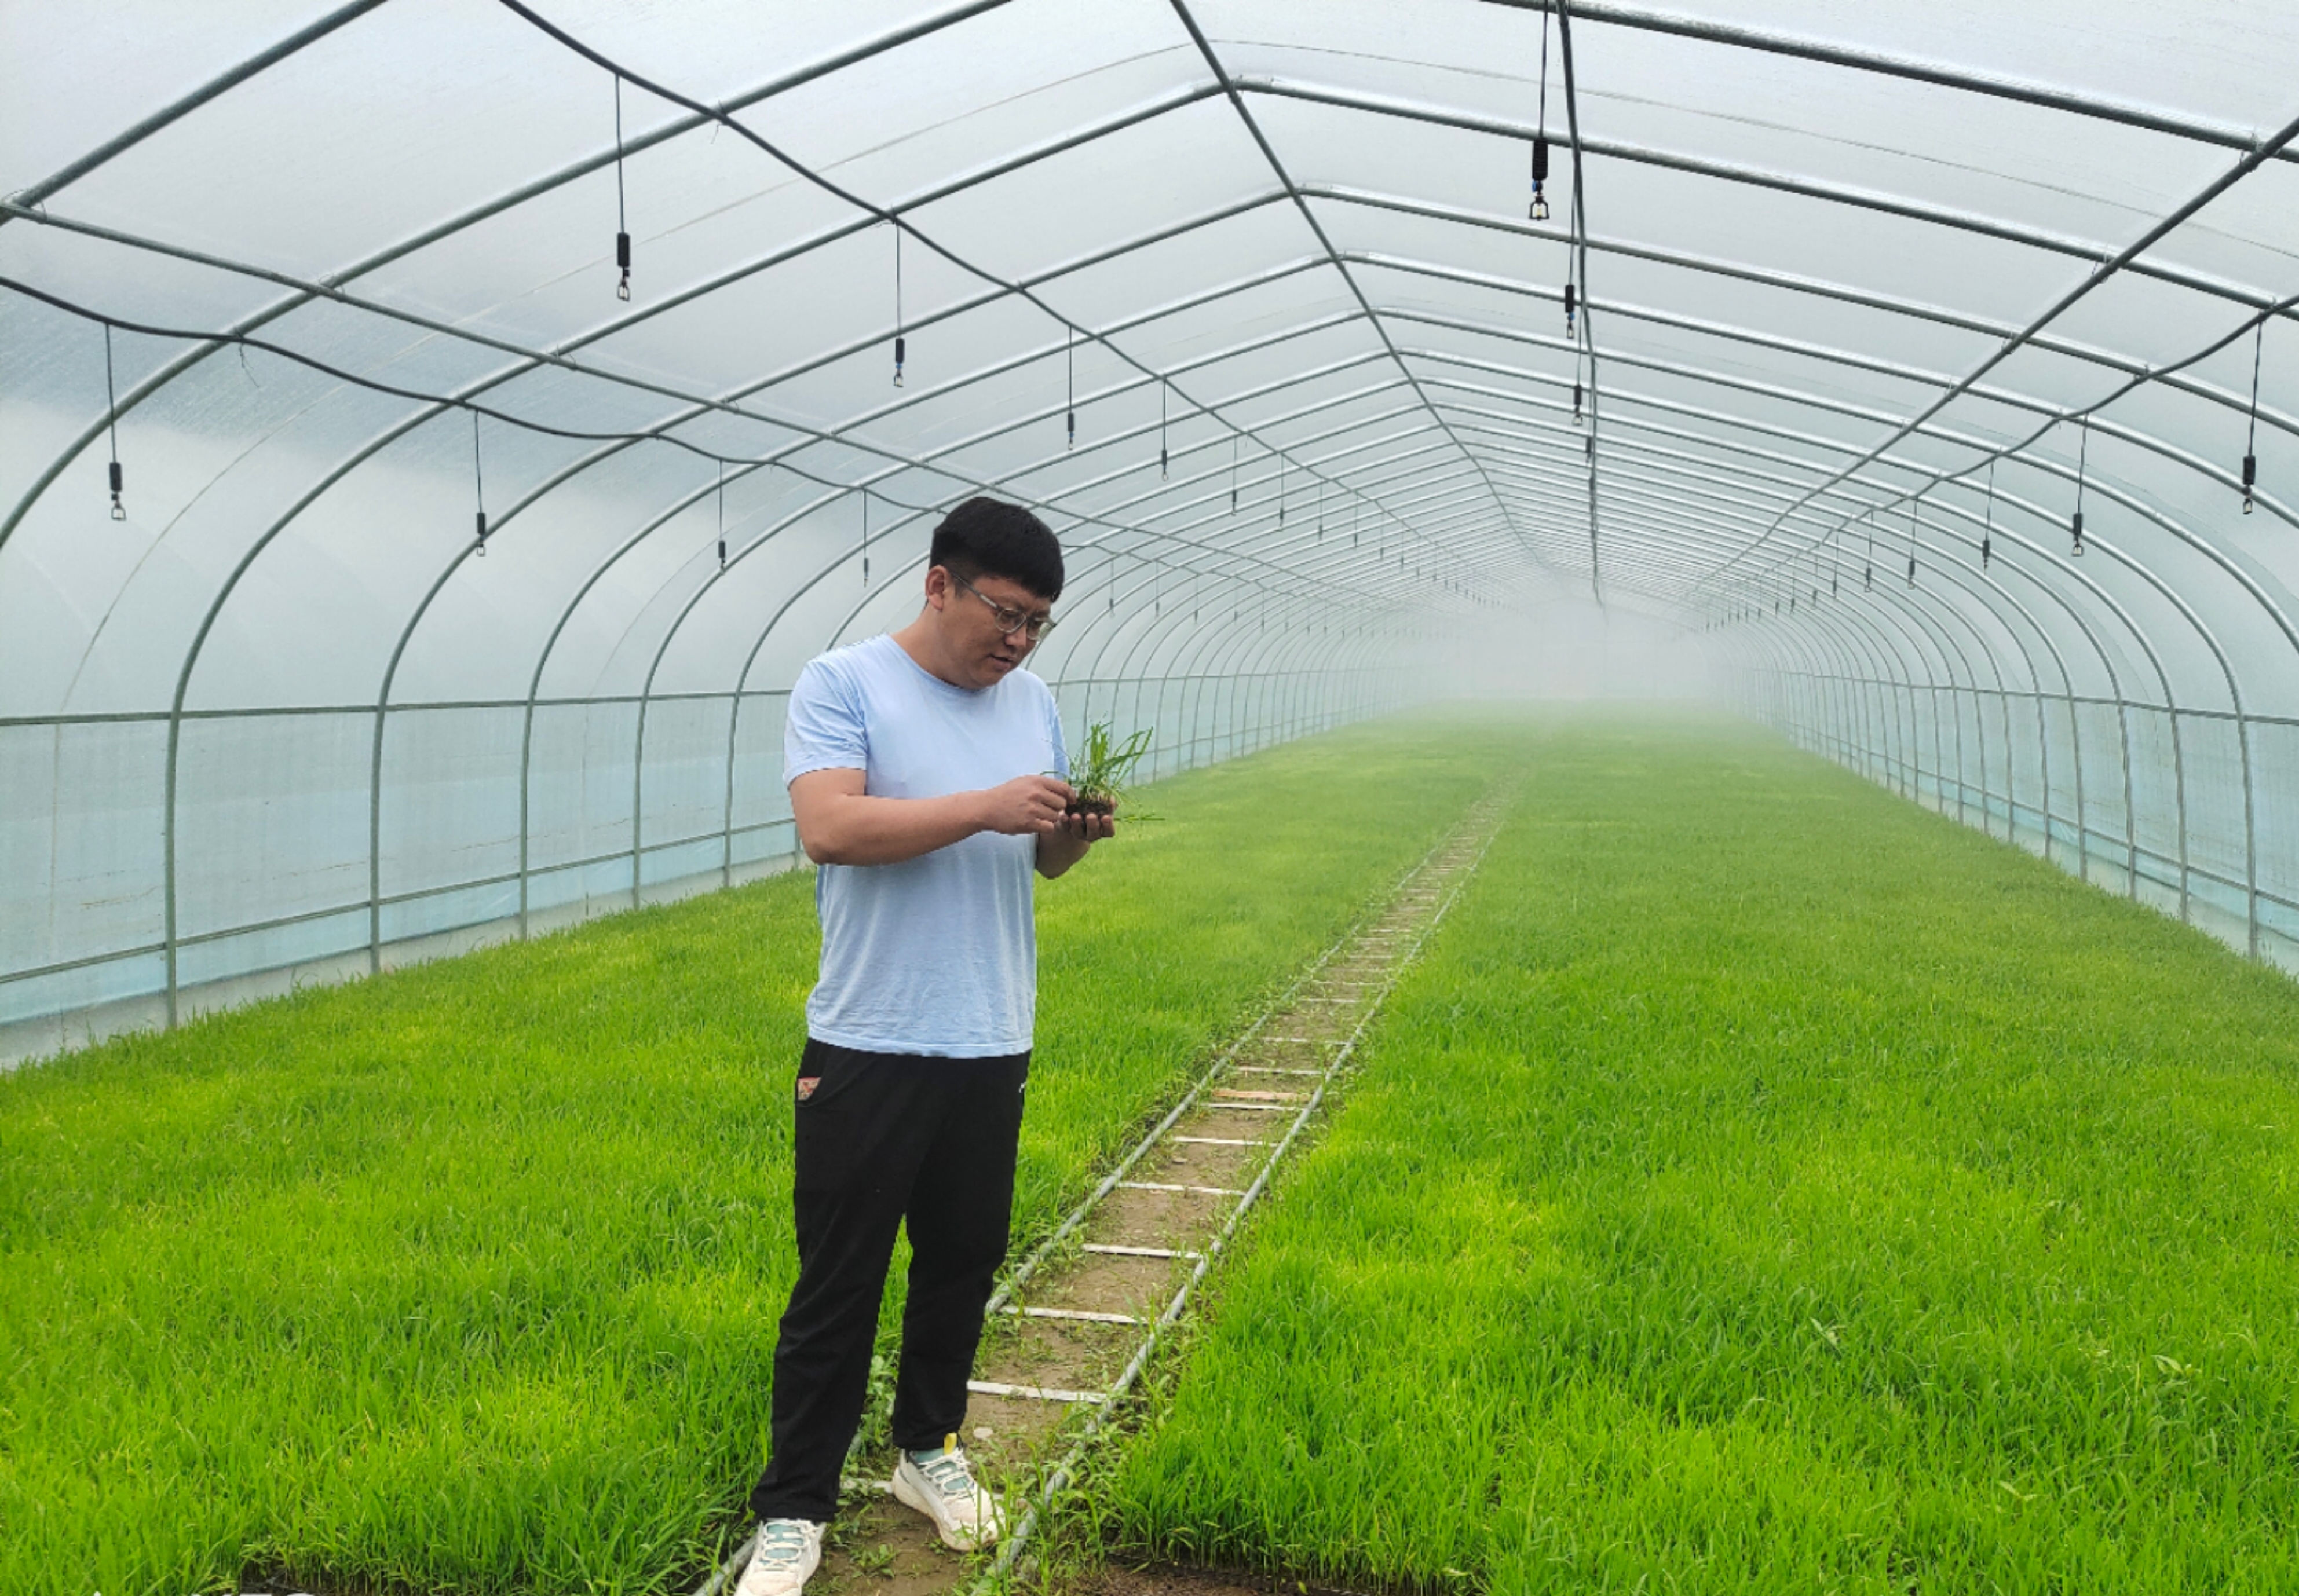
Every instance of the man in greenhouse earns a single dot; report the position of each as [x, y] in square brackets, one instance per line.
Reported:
[917, 765]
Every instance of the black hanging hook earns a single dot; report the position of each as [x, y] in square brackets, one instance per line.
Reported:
[1987, 533]
[1571, 306]
[111, 420]
[622, 216]
[1540, 212]
[479, 485]
[2251, 438]
[2083, 453]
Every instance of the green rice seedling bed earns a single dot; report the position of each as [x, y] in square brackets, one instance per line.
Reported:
[466, 1278]
[1764, 1184]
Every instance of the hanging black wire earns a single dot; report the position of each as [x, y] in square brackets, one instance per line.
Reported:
[901, 344]
[112, 422]
[1915, 505]
[1282, 463]
[722, 515]
[1988, 531]
[1164, 391]
[1539, 211]
[2251, 438]
[1232, 474]
[865, 537]
[479, 486]
[622, 216]
[1868, 570]
[1069, 355]
[2083, 453]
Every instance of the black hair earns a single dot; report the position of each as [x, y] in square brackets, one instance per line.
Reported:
[987, 537]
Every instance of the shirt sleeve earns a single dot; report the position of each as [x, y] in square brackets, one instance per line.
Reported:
[1054, 739]
[826, 729]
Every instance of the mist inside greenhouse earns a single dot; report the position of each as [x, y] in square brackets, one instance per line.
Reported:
[1149, 798]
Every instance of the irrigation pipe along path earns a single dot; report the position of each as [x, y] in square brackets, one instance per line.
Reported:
[1075, 1322]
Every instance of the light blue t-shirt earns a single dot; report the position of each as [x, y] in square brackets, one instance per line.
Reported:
[939, 954]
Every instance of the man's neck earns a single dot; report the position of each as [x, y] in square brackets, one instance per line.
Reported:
[919, 640]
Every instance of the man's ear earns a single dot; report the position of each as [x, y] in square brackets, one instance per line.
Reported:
[937, 586]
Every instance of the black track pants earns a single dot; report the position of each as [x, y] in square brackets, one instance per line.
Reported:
[883, 1138]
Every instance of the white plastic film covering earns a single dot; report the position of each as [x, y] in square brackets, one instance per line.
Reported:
[1244, 298]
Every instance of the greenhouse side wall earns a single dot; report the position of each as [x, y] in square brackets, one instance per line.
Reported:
[2169, 806]
[282, 863]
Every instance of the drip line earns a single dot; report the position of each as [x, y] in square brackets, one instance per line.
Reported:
[2083, 456]
[478, 484]
[1987, 531]
[622, 214]
[112, 424]
[2251, 436]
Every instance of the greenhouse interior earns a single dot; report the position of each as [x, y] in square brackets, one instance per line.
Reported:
[1702, 603]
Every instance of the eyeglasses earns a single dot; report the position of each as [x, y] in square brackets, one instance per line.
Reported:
[1009, 621]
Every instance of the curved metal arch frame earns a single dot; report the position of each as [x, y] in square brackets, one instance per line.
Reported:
[1601, 14]
[2279, 507]
[2043, 634]
[1230, 89]
[638, 766]
[2169, 708]
[2140, 635]
[1337, 261]
[2176, 529]
[1949, 651]
[383, 697]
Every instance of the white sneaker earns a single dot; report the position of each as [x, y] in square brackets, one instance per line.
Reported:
[938, 1484]
[784, 1556]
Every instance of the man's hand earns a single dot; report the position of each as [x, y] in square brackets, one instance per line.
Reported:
[1068, 843]
[1090, 828]
[840, 824]
[1026, 806]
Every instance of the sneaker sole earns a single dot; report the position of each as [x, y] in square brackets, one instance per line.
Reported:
[957, 1540]
[813, 1569]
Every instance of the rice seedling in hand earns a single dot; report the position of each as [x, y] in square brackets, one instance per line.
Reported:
[1103, 775]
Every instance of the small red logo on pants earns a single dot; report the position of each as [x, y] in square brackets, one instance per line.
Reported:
[806, 1085]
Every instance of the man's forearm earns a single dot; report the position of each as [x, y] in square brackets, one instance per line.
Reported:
[1058, 850]
[857, 829]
